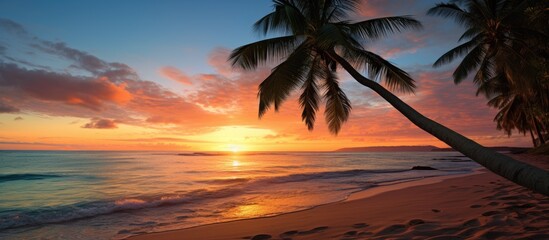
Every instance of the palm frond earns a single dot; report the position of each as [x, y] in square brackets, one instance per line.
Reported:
[380, 69]
[469, 33]
[458, 51]
[489, 83]
[310, 97]
[514, 113]
[451, 10]
[254, 54]
[286, 18]
[469, 63]
[336, 10]
[331, 35]
[338, 105]
[283, 79]
[381, 27]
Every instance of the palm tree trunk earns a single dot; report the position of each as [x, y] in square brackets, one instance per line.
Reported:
[533, 138]
[521, 173]
[540, 134]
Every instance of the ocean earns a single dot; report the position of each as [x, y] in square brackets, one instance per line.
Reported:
[116, 194]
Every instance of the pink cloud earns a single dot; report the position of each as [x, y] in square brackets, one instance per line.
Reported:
[175, 74]
[218, 59]
[384, 8]
[86, 92]
[6, 108]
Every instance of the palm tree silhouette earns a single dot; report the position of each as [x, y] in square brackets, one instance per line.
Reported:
[503, 43]
[317, 38]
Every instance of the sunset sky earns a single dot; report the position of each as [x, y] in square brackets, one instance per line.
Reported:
[153, 75]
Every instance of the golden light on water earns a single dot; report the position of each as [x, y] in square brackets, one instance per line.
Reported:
[235, 163]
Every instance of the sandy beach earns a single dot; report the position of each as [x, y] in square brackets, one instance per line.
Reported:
[481, 205]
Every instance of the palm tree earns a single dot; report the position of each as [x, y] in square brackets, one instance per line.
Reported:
[516, 111]
[316, 39]
[504, 43]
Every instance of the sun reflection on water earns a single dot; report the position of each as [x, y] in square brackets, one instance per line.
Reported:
[235, 163]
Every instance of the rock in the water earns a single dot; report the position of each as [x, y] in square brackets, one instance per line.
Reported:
[423, 168]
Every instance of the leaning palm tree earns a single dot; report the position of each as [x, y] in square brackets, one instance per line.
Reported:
[316, 39]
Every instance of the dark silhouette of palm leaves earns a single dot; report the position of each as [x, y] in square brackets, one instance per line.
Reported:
[505, 43]
[311, 31]
[493, 35]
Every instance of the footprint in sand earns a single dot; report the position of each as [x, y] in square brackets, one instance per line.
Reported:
[527, 228]
[362, 234]
[472, 223]
[490, 213]
[350, 233]
[513, 197]
[444, 237]
[261, 237]
[288, 234]
[124, 231]
[314, 230]
[414, 222]
[393, 229]
[360, 225]
[493, 235]
[435, 210]
[520, 206]
[475, 206]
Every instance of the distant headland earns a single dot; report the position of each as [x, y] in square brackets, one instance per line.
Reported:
[426, 148]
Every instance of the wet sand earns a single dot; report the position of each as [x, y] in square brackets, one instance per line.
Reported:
[474, 206]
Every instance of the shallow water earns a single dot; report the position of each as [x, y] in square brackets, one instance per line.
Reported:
[106, 195]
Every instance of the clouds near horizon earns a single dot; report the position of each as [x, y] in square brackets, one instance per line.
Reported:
[100, 123]
[109, 95]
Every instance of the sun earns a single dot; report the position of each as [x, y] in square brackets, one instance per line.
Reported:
[234, 148]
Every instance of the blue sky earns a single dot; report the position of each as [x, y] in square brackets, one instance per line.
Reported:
[143, 34]
[150, 34]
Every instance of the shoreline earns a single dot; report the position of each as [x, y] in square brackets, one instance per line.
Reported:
[380, 212]
[360, 194]
[380, 189]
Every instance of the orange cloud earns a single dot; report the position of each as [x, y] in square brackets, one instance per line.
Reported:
[175, 74]
[228, 97]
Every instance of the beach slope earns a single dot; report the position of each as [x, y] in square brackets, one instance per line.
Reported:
[475, 206]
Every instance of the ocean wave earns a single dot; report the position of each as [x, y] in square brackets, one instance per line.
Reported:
[193, 154]
[26, 176]
[16, 219]
[228, 188]
[225, 181]
[201, 154]
[329, 175]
